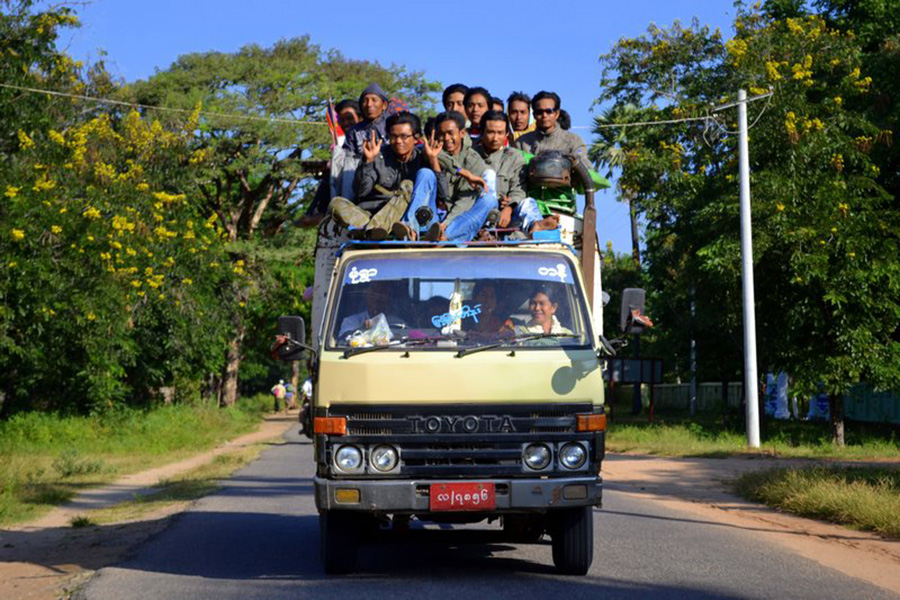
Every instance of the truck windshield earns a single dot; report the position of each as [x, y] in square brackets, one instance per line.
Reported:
[458, 300]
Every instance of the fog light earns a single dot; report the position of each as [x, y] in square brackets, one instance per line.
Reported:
[572, 456]
[575, 492]
[348, 458]
[383, 458]
[537, 456]
[346, 496]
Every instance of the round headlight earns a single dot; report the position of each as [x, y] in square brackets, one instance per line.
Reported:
[348, 458]
[383, 458]
[572, 456]
[537, 456]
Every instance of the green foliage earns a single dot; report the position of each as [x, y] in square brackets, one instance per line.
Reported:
[111, 275]
[48, 457]
[144, 254]
[70, 463]
[824, 221]
[254, 178]
[866, 498]
[711, 436]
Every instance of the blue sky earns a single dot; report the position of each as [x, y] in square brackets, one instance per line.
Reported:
[505, 46]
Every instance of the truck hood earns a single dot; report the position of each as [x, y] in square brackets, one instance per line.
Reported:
[439, 377]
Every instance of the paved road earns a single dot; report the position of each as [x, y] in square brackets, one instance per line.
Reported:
[258, 538]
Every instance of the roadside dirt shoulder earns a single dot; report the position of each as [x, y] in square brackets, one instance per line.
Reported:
[44, 558]
[701, 486]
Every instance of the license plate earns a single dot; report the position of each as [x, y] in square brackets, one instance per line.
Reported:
[462, 496]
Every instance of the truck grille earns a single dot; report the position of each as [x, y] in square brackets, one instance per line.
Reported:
[459, 440]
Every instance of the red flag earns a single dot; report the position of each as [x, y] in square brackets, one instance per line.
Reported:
[333, 124]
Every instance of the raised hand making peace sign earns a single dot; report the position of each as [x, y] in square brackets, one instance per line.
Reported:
[371, 147]
[432, 148]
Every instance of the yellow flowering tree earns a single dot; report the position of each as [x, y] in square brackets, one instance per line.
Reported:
[826, 258]
[111, 277]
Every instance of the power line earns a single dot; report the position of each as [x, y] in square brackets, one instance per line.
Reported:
[707, 117]
[162, 108]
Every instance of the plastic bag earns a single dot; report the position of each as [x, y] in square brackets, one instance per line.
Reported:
[378, 334]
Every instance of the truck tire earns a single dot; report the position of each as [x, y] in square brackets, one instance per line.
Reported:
[338, 541]
[572, 538]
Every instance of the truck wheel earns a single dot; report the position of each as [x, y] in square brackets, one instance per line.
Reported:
[573, 540]
[338, 541]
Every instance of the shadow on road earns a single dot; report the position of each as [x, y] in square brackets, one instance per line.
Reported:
[248, 548]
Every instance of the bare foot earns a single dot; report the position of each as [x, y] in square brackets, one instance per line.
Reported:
[546, 224]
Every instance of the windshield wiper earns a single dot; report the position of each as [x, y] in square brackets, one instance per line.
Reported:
[363, 349]
[514, 340]
[402, 342]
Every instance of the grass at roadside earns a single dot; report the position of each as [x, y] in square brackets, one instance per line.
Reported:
[188, 486]
[860, 497]
[49, 458]
[708, 435]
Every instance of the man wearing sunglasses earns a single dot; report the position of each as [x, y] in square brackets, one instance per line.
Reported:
[548, 135]
[384, 180]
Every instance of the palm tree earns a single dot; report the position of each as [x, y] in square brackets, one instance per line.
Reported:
[608, 150]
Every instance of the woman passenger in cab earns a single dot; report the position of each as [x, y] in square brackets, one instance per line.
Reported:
[542, 306]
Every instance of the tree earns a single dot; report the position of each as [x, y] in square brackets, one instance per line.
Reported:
[825, 242]
[110, 280]
[252, 176]
[610, 149]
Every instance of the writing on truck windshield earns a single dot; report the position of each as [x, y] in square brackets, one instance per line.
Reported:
[459, 301]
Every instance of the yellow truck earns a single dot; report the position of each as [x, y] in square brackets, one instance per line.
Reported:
[458, 383]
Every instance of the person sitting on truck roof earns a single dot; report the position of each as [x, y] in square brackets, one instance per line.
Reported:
[453, 98]
[518, 106]
[373, 102]
[548, 135]
[348, 114]
[384, 180]
[477, 102]
[516, 210]
[468, 187]
[542, 306]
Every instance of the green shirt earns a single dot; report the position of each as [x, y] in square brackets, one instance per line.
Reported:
[509, 164]
[467, 159]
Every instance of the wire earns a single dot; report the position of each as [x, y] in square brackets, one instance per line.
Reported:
[643, 123]
[162, 108]
[686, 119]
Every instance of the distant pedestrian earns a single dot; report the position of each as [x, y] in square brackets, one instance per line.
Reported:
[278, 393]
[289, 396]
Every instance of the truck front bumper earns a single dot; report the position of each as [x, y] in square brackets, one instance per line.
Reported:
[513, 495]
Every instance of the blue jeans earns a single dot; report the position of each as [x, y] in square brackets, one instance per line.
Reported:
[461, 227]
[464, 227]
[526, 214]
[424, 194]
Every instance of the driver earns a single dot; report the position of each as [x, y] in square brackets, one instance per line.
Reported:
[380, 299]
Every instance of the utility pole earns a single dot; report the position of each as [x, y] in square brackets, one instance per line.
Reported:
[751, 392]
[693, 402]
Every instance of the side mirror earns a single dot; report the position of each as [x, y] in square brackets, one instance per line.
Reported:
[292, 331]
[293, 327]
[632, 300]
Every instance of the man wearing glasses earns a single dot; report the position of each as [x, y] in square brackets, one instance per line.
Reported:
[548, 135]
[384, 180]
